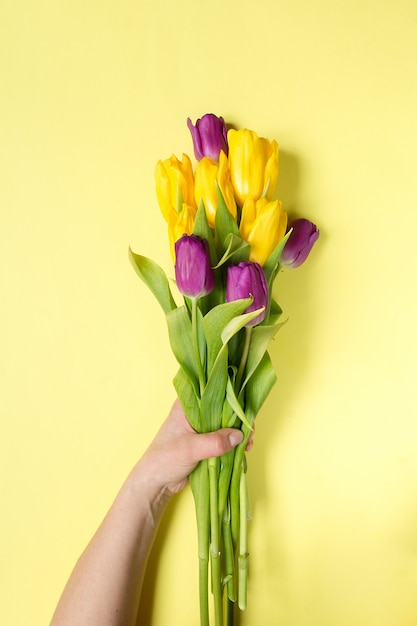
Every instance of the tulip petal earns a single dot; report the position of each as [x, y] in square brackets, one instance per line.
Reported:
[303, 236]
[248, 279]
[193, 271]
[209, 136]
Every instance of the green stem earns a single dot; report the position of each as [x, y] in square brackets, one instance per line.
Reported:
[194, 323]
[213, 465]
[235, 483]
[243, 358]
[243, 543]
[229, 555]
[227, 461]
[203, 580]
[199, 481]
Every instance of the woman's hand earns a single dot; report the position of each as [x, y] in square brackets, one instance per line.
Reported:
[177, 449]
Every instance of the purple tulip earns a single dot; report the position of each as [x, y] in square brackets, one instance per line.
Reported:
[209, 136]
[193, 271]
[302, 238]
[244, 280]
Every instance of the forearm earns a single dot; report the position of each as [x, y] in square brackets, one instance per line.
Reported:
[104, 587]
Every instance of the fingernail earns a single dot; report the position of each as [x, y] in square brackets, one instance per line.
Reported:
[235, 437]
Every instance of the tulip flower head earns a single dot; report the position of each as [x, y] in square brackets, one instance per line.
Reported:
[174, 180]
[193, 271]
[209, 136]
[302, 238]
[209, 175]
[248, 279]
[263, 225]
[253, 163]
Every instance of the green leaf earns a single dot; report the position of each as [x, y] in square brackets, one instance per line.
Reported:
[235, 405]
[238, 323]
[202, 344]
[259, 386]
[225, 224]
[214, 392]
[202, 229]
[155, 278]
[272, 262]
[260, 338]
[181, 339]
[229, 416]
[214, 323]
[226, 466]
[274, 313]
[189, 401]
[235, 247]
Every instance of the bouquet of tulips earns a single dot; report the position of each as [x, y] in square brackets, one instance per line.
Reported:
[229, 238]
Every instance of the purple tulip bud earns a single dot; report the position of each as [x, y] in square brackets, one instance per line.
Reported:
[193, 271]
[302, 238]
[244, 280]
[209, 136]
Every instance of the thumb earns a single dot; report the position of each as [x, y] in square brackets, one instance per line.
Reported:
[219, 442]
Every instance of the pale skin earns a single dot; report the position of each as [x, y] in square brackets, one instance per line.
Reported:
[104, 587]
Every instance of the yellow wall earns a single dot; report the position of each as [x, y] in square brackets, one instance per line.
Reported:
[91, 95]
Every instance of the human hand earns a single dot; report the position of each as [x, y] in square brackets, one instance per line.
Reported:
[177, 449]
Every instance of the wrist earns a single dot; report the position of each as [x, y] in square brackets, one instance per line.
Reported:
[144, 484]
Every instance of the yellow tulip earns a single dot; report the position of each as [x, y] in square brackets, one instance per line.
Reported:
[174, 184]
[253, 163]
[180, 224]
[263, 225]
[208, 175]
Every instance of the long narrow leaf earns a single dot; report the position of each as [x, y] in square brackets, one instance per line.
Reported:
[180, 336]
[235, 405]
[214, 323]
[234, 246]
[215, 390]
[213, 396]
[259, 386]
[260, 338]
[155, 278]
[202, 229]
[225, 224]
[189, 401]
[238, 323]
[274, 313]
[271, 263]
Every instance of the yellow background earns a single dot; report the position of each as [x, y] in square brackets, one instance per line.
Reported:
[91, 95]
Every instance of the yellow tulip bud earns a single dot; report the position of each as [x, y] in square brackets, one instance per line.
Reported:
[208, 175]
[253, 163]
[263, 225]
[174, 184]
[180, 224]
